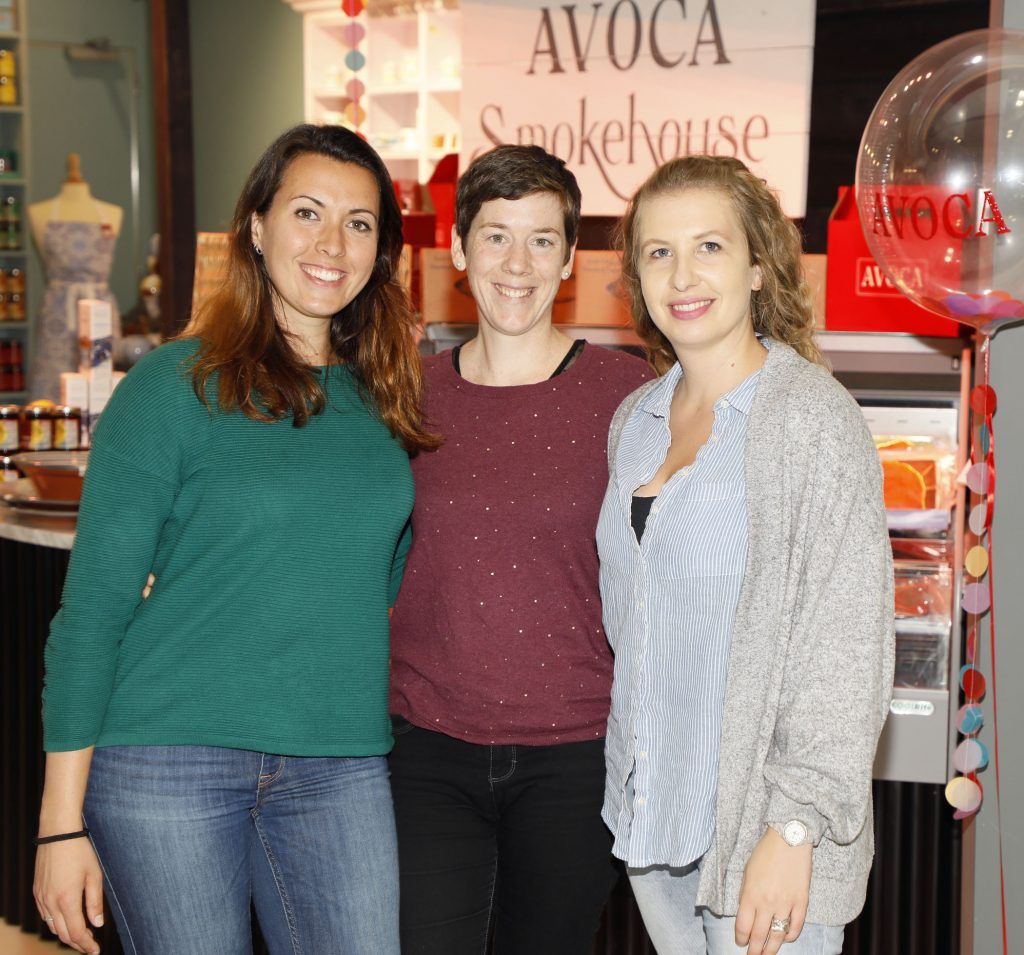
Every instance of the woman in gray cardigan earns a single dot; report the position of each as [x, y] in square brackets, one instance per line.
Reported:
[746, 577]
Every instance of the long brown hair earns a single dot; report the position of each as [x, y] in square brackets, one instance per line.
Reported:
[781, 308]
[257, 370]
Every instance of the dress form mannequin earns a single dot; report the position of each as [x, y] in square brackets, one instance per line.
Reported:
[73, 203]
[75, 234]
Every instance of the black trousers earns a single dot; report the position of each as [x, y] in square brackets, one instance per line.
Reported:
[499, 840]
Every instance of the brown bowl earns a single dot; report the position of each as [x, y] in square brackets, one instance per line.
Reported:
[57, 475]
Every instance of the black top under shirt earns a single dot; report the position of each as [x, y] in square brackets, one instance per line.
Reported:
[639, 512]
[570, 356]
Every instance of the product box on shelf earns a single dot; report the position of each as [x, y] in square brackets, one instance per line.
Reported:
[441, 187]
[600, 297]
[858, 295]
[211, 269]
[96, 350]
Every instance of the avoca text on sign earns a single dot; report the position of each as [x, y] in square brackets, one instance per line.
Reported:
[617, 88]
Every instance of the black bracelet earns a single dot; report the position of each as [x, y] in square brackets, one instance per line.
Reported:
[44, 840]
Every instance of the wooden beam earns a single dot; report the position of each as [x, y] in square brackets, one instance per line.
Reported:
[172, 95]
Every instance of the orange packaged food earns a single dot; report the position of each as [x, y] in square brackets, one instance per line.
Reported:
[918, 473]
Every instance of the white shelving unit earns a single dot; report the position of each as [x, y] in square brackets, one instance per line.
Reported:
[14, 136]
[412, 78]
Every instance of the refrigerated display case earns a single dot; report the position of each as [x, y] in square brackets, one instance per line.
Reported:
[914, 395]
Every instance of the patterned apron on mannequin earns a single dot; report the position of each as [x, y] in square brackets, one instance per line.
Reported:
[78, 257]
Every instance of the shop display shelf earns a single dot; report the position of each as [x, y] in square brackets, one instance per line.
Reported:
[12, 109]
[6, 326]
[15, 397]
[398, 89]
[444, 86]
[9, 180]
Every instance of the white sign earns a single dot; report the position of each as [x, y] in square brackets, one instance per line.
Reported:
[617, 87]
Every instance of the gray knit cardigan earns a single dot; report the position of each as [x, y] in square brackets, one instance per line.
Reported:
[811, 659]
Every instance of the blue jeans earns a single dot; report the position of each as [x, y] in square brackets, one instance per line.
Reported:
[667, 899]
[188, 836]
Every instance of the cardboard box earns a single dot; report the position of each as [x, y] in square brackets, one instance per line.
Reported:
[96, 355]
[211, 268]
[600, 298]
[74, 389]
[815, 267]
[859, 297]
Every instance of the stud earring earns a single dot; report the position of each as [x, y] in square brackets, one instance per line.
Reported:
[565, 275]
[257, 249]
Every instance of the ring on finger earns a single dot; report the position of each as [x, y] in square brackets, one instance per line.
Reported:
[48, 919]
[780, 925]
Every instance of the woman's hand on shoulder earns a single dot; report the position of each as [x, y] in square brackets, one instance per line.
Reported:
[776, 885]
[67, 872]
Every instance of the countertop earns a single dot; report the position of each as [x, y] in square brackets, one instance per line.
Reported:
[27, 527]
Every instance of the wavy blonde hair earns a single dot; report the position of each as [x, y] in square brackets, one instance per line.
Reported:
[781, 308]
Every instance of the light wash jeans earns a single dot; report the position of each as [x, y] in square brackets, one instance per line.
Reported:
[667, 900]
[188, 835]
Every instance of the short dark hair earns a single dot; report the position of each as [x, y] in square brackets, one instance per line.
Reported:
[511, 172]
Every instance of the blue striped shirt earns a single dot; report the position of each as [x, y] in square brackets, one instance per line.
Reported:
[669, 604]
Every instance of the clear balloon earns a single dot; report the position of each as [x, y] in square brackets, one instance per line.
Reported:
[940, 179]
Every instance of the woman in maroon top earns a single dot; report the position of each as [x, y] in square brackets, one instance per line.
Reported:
[501, 672]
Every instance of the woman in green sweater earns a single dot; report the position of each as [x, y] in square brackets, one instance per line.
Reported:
[223, 742]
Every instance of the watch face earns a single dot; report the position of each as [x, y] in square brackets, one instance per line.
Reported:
[795, 832]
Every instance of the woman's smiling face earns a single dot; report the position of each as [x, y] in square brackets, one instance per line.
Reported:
[695, 269]
[319, 237]
[515, 254]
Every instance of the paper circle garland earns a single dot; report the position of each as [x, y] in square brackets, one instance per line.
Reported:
[972, 682]
[352, 7]
[355, 88]
[976, 598]
[976, 561]
[963, 794]
[355, 114]
[983, 400]
[352, 33]
[977, 520]
[355, 60]
[980, 477]
[970, 718]
[970, 756]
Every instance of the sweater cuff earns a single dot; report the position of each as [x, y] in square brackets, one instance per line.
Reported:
[781, 809]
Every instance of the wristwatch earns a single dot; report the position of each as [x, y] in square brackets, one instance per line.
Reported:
[794, 832]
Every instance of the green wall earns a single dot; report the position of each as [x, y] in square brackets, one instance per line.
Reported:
[85, 108]
[246, 89]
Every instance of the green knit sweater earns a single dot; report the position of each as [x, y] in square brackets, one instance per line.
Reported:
[277, 552]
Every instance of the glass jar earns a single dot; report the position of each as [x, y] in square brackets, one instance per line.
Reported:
[8, 91]
[9, 416]
[8, 471]
[36, 429]
[67, 428]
